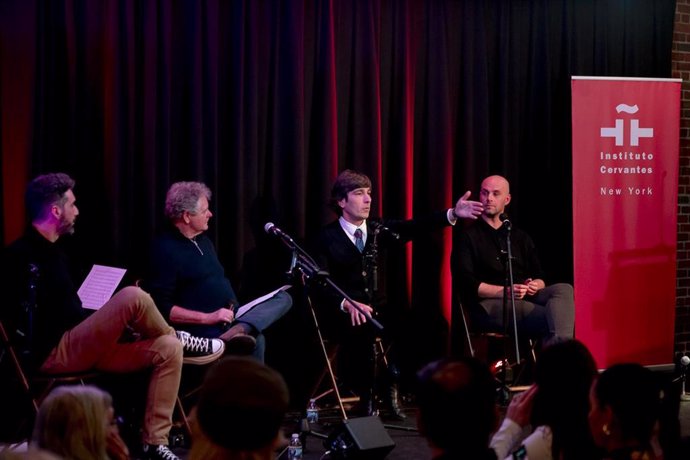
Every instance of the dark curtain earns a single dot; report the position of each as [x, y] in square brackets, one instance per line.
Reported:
[265, 101]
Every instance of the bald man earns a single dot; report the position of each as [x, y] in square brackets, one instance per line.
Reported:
[480, 262]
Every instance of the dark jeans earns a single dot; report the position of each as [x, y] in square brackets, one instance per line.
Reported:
[549, 313]
[262, 316]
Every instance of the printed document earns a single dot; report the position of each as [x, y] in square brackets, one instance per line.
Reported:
[248, 306]
[99, 286]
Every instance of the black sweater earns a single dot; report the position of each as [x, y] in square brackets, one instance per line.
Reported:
[57, 305]
[479, 258]
[189, 276]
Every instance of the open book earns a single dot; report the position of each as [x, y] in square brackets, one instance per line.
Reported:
[249, 305]
[99, 286]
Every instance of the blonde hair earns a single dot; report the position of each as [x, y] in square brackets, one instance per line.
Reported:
[73, 422]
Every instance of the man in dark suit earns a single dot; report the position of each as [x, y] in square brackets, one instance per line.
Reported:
[348, 249]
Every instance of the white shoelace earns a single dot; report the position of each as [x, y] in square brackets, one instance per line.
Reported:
[194, 344]
[165, 453]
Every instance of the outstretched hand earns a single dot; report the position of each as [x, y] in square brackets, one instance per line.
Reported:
[468, 209]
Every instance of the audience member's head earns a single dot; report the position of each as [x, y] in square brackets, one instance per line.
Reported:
[456, 406]
[624, 407]
[563, 374]
[73, 422]
[240, 411]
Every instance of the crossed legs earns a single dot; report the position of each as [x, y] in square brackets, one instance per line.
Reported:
[259, 318]
[95, 344]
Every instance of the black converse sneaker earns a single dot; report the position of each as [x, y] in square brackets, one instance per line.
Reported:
[199, 350]
[159, 452]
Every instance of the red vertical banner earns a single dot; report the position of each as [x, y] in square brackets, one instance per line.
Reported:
[625, 185]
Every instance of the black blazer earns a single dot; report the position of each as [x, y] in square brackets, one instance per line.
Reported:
[362, 275]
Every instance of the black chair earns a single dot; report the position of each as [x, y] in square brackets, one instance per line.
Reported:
[481, 344]
[496, 348]
[35, 385]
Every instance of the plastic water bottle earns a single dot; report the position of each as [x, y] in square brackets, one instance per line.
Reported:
[295, 447]
[312, 412]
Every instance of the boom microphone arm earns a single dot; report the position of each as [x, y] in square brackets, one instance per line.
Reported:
[306, 264]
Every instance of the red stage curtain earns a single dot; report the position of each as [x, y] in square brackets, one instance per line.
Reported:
[266, 100]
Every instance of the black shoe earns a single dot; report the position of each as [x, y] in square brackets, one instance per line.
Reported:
[199, 350]
[158, 452]
[393, 404]
[240, 344]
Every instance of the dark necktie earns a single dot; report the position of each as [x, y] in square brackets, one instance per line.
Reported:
[359, 242]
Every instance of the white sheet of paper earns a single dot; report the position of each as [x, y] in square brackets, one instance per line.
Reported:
[99, 286]
[249, 305]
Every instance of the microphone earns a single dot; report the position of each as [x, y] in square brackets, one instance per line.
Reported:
[299, 256]
[378, 226]
[271, 229]
[507, 224]
[685, 360]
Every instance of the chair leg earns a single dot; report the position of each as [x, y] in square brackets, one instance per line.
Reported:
[46, 390]
[532, 346]
[183, 416]
[318, 386]
[467, 330]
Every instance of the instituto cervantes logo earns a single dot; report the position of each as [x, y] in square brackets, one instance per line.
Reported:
[618, 131]
[628, 160]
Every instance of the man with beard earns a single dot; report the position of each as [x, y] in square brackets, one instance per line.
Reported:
[54, 334]
[542, 311]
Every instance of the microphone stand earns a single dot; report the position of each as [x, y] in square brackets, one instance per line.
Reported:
[303, 261]
[30, 307]
[508, 227]
[378, 355]
[504, 366]
[308, 270]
